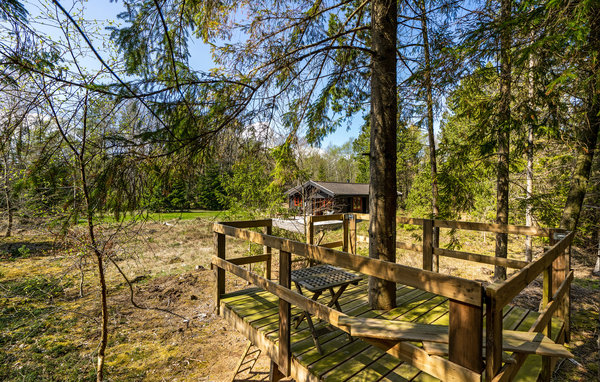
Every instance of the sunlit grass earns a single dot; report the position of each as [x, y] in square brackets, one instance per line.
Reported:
[156, 216]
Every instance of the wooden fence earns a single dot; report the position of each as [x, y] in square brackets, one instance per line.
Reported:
[467, 299]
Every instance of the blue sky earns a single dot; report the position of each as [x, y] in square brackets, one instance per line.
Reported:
[103, 11]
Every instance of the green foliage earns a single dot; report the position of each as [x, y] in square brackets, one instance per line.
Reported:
[249, 186]
[410, 141]
[24, 251]
[36, 288]
[13, 10]
[210, 191]
[360, 148]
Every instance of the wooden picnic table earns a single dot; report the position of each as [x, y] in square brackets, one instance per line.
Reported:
[317, 279]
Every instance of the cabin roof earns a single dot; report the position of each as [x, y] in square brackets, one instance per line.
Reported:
[334, 188]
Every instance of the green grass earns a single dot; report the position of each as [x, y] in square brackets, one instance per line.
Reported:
[159, 216]
[587, 283]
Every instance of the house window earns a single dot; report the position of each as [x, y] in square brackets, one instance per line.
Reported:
[297, 200]
[357, 204]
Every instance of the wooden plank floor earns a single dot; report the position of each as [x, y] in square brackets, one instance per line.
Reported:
[346, 359]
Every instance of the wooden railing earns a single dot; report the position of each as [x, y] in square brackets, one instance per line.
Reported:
[466, 297]
[429, 251]
[554, 264]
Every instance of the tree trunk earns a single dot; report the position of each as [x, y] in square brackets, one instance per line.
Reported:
[589, 132]
[100, 263]
[529, 168]
[503, 137]
[529, 171]
[383, 188]
[596, 271]
[432, 154]
[9, 207]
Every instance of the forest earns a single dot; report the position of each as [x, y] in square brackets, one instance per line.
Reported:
[488, 111]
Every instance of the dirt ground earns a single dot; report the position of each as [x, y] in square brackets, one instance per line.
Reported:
[49, 332]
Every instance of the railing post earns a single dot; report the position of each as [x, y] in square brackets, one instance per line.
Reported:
[219, 243]
[310, 235]
[560, 269]
[465, 345]
[310, 231]
[427, 244]
[346, 234]
[268, 231]
[493, 340]
[435, 242]
[547, 293]
[352, 233]
[285, 280]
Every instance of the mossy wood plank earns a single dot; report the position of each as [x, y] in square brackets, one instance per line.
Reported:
[380, 367]
[532, 366]
[269, 322]
[232, 296]
[415, 306]
[424, 377]
[336, 358]
[395, 329]
[404, 372]
[361, 361]
[328, 347]
[427, 311]
[405, 295]
[514, 318]
[350, 306]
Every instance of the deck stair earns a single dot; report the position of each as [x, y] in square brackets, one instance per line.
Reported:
[247, 362]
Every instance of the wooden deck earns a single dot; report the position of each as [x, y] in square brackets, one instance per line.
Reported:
[254, 312]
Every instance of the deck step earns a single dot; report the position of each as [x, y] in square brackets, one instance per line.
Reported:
[247, 361]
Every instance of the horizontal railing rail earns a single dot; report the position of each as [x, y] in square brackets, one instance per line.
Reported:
[504, 292]
[429, 251]
[473, 226]
[456, 288]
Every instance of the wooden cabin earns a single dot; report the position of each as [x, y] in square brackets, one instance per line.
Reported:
[320, 198]
[443, 327]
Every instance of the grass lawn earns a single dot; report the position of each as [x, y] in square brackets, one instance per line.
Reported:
[161, 216]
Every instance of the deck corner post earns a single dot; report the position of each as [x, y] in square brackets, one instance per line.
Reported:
[219, 243]
[493, 328]
[268, 251]
[352, 233]
[346, 234]
[310, 230]
[547, 293]
[465, 346]
[274, 374]
[285, 280]
[428, 244]
[560, 270]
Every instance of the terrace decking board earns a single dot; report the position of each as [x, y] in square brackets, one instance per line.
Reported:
[343, 359]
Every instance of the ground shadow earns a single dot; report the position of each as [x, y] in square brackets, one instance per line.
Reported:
[22, 249]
